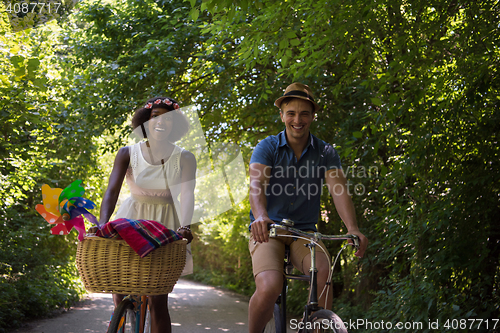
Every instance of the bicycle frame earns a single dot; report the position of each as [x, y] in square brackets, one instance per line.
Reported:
[312, 303]
[288, 276]
[142, 315]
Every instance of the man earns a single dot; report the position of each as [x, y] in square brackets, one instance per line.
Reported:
[287, 173]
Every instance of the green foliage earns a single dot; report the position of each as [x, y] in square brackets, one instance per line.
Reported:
[111, 53]
[220, 251]
[409, 92]
[37, 269]
[42, 141]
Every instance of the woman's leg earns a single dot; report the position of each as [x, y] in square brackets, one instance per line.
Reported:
[117, 298]
[160, 318]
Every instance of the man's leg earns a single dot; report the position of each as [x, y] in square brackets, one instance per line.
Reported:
[267, 264]
[323, 266]
[260, 310]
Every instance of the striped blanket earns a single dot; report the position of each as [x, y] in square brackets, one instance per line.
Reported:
[143, 236]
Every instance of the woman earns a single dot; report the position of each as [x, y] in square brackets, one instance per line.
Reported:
[158, 173]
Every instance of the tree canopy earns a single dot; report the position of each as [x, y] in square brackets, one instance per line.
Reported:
[409, 95]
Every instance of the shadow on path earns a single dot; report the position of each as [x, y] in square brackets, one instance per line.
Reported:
[194, 307]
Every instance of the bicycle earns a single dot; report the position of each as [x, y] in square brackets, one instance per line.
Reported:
[315, 318]
[136, 309]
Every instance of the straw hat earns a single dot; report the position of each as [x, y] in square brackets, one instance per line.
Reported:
[298, 90]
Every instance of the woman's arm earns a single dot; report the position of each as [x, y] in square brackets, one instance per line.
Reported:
[115, 182]
[188, 183]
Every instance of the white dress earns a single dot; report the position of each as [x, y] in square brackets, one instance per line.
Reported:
[149, 199]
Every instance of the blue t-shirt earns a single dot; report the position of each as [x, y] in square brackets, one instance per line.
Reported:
[295, 187]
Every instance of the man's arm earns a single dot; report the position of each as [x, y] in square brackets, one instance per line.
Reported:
[259, 178]
[337, 186]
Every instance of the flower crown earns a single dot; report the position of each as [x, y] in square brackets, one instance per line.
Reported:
[166, 101]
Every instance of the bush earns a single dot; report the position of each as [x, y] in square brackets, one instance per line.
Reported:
[37, 270]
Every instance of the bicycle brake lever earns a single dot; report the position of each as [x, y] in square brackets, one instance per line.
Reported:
[355, 240]
[287, 222]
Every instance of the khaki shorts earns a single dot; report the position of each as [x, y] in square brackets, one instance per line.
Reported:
[269, 256]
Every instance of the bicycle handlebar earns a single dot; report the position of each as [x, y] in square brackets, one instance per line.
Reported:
[316, 236]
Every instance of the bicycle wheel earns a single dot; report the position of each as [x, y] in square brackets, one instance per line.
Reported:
[120, 316]
[274, 325]
[324, 321]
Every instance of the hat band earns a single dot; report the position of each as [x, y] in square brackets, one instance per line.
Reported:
[299, 93]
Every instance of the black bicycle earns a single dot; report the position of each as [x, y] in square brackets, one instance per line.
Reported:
[315, 318]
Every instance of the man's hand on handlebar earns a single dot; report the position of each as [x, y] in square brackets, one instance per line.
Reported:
[363, 242]
[260, 231]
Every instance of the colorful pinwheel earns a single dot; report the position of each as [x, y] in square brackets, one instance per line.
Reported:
[65, 208]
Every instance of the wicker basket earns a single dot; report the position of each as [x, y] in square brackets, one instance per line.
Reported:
[111, 266]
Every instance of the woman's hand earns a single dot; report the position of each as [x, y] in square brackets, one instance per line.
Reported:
[185, 232]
